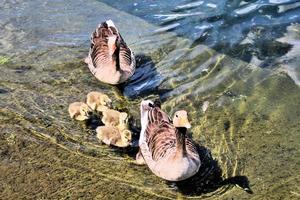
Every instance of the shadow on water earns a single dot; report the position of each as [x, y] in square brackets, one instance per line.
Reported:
[145, 80]
[209, 178]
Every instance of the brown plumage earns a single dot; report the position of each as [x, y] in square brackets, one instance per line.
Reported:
[110, 59]
[166, 149]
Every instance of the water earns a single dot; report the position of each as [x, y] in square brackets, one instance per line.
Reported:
[239, 56]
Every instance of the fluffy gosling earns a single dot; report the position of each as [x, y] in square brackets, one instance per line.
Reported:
[118, 135]
[98, 101]
[111, 135]
[79, 111]
[112, 117]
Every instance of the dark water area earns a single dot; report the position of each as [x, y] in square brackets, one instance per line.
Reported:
[242, 29]
[233, 65]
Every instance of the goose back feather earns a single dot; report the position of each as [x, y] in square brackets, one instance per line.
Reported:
[110, 59]
[160, 146]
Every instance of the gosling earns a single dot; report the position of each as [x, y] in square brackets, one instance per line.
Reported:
[98, 101]
[79, 111]
[118, 136]
[111, 135]
[112, 117]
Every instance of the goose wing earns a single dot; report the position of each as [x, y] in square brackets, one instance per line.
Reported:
[126, 56]
[160, 134]
[160, 139]
[99, 44]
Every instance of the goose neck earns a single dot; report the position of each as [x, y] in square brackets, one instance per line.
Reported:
[180, 143]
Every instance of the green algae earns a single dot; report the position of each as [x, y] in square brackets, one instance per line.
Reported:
[3, 60]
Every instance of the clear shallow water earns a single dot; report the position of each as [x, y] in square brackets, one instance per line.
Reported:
[250, 131]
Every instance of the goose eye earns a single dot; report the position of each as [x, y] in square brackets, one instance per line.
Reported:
[176, 115]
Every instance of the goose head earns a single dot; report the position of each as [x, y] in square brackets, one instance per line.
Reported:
[146, 105]
[180, 119]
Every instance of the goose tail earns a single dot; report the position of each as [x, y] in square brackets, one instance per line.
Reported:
[110, 23]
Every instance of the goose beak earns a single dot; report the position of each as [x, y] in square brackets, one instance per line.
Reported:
[185, 123]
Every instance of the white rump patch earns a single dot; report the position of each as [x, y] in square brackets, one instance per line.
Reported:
[110, 23]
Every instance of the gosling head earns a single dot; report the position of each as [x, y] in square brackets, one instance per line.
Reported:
[106, 101]
[85, 110]
[123, 118]
[126, 136]
[180, 119]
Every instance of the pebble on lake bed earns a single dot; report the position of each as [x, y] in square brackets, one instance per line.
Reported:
[205, 106]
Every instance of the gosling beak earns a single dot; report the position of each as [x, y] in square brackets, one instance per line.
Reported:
[87, 115]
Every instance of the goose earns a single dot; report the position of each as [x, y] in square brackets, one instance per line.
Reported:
[79, 111]
[164, 146]
[98, 101]
[110, 60]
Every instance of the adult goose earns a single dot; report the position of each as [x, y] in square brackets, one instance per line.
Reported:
[166, 149]
[110, 60]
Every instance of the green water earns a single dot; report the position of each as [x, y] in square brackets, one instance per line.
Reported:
[248, 136]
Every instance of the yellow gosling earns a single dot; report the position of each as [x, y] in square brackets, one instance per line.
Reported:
[113, 117]
[79, 111]
[98, 101]
[118, 136]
